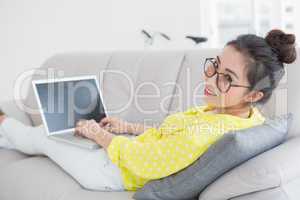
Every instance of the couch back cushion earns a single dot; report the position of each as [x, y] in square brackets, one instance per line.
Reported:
[190, 84]
[145, 86]
[136, 85]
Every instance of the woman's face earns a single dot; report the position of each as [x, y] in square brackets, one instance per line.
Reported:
[232, 66]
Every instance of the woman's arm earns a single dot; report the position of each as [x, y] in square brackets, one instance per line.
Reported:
[104, 139]
[119, 126]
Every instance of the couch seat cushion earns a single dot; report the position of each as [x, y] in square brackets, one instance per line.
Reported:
[81, 194]
[35, 178]
[10, 156]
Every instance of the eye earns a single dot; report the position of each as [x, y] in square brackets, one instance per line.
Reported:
[215, 63]
[228, 78]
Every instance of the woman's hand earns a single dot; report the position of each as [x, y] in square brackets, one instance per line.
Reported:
[115, 125]
[91, 129]
[119, 126]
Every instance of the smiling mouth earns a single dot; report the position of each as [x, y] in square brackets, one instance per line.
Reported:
[208, 92]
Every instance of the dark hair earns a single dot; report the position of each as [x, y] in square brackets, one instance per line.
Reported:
[266, 58]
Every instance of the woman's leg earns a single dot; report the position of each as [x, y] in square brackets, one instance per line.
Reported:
[4, 142]
[91, 168]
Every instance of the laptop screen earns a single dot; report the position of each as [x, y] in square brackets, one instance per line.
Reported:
[65, 102]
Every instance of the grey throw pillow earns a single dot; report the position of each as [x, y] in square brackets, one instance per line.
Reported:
[230, 151]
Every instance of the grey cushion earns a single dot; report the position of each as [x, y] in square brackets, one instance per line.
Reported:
[231, 150]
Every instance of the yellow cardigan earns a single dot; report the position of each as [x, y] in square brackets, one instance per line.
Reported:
[180, 140]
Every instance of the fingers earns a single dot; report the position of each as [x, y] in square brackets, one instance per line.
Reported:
[108, 128]
[78, 131]
[78, 126]
[83, 122]
[80, 122]
[82, 126]
[113, 124]
[105, 121]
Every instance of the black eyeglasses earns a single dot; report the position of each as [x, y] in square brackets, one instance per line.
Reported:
[223, 81]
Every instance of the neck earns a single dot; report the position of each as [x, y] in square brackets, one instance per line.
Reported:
[239, 110]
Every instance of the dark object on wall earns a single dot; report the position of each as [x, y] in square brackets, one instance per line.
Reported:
[146, 34]
[197, 40]
[150, 37]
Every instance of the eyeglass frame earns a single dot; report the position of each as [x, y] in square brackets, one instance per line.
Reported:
[218, 74]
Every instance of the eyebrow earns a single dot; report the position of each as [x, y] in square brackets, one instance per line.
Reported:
[232, 72]
[229, 70]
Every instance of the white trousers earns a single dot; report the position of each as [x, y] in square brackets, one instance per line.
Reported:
[91, 168]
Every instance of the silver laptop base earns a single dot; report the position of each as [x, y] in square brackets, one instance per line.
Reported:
[75, 140]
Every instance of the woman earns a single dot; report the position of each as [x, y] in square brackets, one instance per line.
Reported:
[244, 74]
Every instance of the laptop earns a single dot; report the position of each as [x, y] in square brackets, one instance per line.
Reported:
[63, 102]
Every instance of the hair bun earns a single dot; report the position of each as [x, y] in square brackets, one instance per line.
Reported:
[283, 44]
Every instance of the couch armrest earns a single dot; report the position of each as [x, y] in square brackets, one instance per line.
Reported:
[11, 109]
[268, 170]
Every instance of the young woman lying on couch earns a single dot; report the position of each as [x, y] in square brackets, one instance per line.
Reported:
[244, 74]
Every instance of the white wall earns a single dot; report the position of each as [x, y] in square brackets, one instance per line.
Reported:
[32, 30]
[296, 4]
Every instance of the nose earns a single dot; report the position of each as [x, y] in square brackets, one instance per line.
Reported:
[210, 81]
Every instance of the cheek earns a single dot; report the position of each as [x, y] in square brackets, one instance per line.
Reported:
[233, 97]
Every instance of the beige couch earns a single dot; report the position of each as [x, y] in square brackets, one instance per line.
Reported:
[272, 175]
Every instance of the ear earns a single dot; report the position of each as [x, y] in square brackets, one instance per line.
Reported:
[254, 96]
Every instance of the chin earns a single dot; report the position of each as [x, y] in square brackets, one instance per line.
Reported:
[211, 101]
[216, 102]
